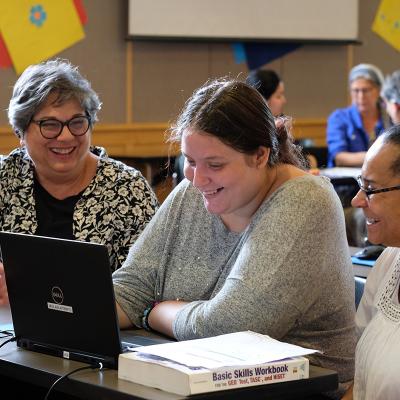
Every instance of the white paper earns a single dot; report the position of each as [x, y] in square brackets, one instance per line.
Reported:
[341, 172]
[239, 348]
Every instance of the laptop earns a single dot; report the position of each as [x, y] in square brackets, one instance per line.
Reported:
[62, 299]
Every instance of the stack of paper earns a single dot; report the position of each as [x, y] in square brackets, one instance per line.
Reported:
[218, 363]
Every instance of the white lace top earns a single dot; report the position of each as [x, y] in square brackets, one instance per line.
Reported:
[377, 373]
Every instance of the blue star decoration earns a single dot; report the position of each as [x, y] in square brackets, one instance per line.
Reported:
[38, 15]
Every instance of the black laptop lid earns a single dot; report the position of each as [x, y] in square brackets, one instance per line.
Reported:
[61, 297]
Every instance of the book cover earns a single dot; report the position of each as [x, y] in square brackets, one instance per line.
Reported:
[177, 378]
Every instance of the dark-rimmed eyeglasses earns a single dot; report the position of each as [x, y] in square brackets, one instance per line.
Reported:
[369, 192]
[51, 128]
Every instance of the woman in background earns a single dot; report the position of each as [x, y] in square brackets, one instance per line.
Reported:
[272, 88]
[391, 96]
[351, 130]
[270, 85]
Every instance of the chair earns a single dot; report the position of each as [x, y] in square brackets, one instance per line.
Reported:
[320, 153]
[359, 289]
[178, 169]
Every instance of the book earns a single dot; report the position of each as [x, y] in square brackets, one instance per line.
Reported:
[171, 376]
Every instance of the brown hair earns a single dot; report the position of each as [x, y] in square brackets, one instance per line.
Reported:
[238, 115]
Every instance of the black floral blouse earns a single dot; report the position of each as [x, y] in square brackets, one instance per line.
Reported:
[113, 209]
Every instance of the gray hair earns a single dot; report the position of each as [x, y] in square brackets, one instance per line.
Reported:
[366, 71]
[391, 87]
[38, 81]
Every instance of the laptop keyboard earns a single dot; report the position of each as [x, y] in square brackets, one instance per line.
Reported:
[126, 346]
[129, 342]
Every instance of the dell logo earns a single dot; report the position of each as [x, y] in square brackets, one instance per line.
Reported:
[57, 295]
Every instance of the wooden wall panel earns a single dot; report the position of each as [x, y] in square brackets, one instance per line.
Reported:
[147, 140]
[164, 75]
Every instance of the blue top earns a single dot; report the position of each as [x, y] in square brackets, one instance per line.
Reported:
[345, 132]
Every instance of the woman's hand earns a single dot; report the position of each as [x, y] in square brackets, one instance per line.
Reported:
[3, 287]
[349, 393]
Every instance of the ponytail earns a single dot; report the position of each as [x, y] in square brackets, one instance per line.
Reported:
[288, 151]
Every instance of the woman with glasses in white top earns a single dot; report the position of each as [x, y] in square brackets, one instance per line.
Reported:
[378, 315]
[56, 184]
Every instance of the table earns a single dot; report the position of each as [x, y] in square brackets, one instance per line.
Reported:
[344, 180]
[361, 270]
[37, 372]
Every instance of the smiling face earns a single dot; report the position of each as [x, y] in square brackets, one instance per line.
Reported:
[364, 94]
[277, 100]
[382, 210]
[64, 156]
[233, 184]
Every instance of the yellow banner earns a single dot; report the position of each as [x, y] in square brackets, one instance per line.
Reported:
[34, 31]
[387, 22]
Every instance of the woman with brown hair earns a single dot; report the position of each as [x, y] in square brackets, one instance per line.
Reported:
[249, 241]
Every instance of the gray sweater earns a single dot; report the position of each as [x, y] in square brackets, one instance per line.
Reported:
[288, 275]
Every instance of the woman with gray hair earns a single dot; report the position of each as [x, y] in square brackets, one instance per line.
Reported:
[391, 95]
[56, 184]
[351, 130]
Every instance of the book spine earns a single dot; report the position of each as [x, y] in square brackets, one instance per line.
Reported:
[232, 378]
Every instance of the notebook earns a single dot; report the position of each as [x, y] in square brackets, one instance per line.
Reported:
[62, 299]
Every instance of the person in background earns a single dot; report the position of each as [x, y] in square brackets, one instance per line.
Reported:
[378, 314]
[390, 93]
[270, 85]
[56, 183]
[239, 243]
[272, 88]
[391, 96]
[351, 130]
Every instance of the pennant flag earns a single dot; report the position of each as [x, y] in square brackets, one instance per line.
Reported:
[34, 31]
[239, 53]
[5, 60]
[387, 22]
[81, 11]
[259, 54]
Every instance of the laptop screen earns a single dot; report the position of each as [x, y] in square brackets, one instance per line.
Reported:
[61, 297]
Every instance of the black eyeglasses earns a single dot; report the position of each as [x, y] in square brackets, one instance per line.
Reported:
[368, 192]
[52, 127]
